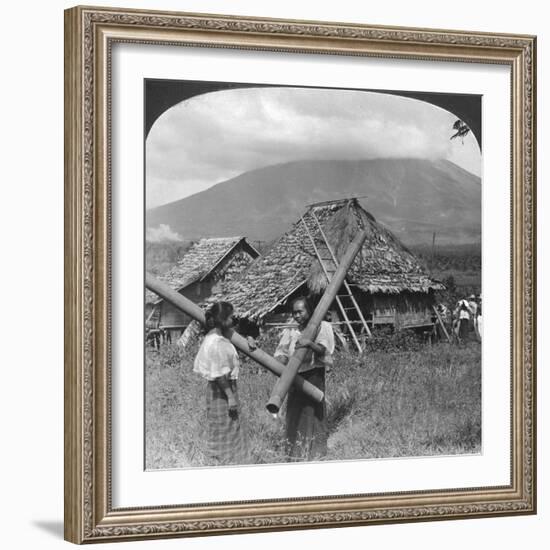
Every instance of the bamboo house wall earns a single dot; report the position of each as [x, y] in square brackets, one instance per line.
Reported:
[403, 310]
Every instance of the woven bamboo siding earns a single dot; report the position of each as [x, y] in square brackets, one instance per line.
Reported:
[404, 310]
[171, 316]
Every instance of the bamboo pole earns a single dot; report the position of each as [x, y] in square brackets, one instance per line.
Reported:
[285, 381]
[263, 359]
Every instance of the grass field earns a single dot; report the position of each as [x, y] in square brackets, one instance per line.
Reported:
[417, 402]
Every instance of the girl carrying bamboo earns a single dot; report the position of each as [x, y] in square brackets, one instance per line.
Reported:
[218, 363]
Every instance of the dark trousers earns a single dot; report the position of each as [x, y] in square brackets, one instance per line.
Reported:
[306, 421]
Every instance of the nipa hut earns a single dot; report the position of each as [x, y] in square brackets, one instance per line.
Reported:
[389, 284]
[198, 274]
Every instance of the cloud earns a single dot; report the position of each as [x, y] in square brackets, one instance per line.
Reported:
[161, 233]
[217, 136]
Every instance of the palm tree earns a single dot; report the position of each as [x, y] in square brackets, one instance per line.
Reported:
[462, 129]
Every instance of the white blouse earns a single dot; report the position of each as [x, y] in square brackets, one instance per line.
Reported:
[216, 357]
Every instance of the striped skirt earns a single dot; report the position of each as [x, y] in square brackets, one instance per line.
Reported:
[226, 441]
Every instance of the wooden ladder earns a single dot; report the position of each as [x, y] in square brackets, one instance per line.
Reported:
[346, 300]
[154, 317]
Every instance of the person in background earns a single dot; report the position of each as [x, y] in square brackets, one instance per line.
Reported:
[479, 320]
[443, 312]
[473, 308]
[306, 420]
[463, 313]
[218, 363]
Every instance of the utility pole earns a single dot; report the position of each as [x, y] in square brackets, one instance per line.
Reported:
[433, 254]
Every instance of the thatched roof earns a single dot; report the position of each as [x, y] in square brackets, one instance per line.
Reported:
[384, 264]
[197, 263]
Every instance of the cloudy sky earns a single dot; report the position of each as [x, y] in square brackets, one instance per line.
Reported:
[216, 136]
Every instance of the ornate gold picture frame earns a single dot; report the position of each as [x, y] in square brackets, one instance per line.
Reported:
[90, 36]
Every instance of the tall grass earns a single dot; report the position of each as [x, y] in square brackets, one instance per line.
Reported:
[419, 402]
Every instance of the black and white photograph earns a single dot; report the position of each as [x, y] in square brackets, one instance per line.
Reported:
[313, 274]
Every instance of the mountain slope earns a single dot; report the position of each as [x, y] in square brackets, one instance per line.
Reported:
[412, 197]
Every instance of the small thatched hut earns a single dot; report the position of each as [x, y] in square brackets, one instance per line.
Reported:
[196, 276]
[388, 282]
